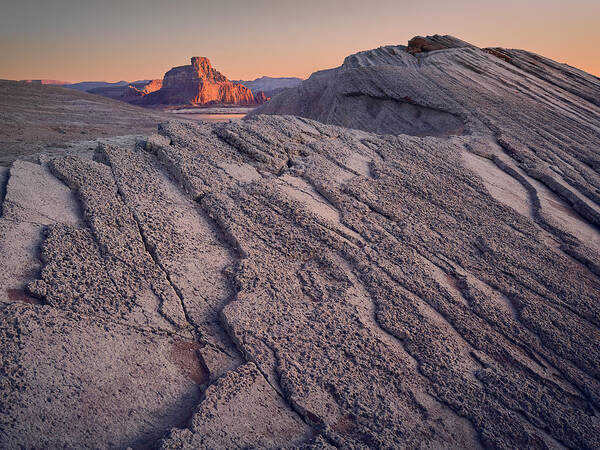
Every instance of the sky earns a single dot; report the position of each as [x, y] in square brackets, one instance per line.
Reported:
[112, 40]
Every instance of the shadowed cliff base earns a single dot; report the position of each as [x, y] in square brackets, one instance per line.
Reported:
[392, 116]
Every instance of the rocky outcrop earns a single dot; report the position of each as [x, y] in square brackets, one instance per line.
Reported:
[261, 98]
[278, 282]
[129, 92]
[405, 89]
[420, 44]
[132, 94]
[198, 84]
[153, 85]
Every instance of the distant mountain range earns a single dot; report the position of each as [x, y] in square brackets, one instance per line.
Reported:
[86, 86]
[269, 85]
[51, 82]
[195, 84]
[227, 92]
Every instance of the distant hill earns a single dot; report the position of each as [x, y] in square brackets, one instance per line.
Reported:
[85, 86]
[119, 91]
[37, 116]
[269, 85]
[51, 82]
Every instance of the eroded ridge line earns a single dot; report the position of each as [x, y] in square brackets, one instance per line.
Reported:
[225, 236]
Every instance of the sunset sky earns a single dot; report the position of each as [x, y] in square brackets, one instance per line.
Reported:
[111, 40]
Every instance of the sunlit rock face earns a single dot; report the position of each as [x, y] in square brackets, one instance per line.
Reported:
[196, 84]
[199, 84]
[261, 97]
[132, 93]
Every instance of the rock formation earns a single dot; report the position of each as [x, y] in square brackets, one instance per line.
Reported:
[403, 89]
[261, 98]
[420, 44]
[278, 282]
[129, 92]
[133, 93]
[198, 84]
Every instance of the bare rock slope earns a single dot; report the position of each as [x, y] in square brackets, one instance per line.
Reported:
[438, 85]
[278, 282]
[38, 118]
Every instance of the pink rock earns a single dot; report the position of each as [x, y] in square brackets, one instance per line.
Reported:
[199, 84]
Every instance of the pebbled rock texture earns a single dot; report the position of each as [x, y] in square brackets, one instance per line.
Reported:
[279, 282]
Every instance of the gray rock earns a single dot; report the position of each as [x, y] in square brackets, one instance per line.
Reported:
[280, 282]
[73, 381]
[240, 410]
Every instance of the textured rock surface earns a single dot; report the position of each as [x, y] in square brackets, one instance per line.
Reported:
[225, 420]
[450, 87]
[35, 118]
[573, 80]
[279, 282]
[73, 381]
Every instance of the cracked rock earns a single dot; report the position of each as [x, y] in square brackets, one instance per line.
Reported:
[282, 282]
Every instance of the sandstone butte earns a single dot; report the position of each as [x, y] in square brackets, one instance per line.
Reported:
[196, 84]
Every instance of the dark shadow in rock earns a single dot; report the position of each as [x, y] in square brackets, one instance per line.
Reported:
[392, 116]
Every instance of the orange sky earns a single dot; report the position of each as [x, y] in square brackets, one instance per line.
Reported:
[113, 40]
